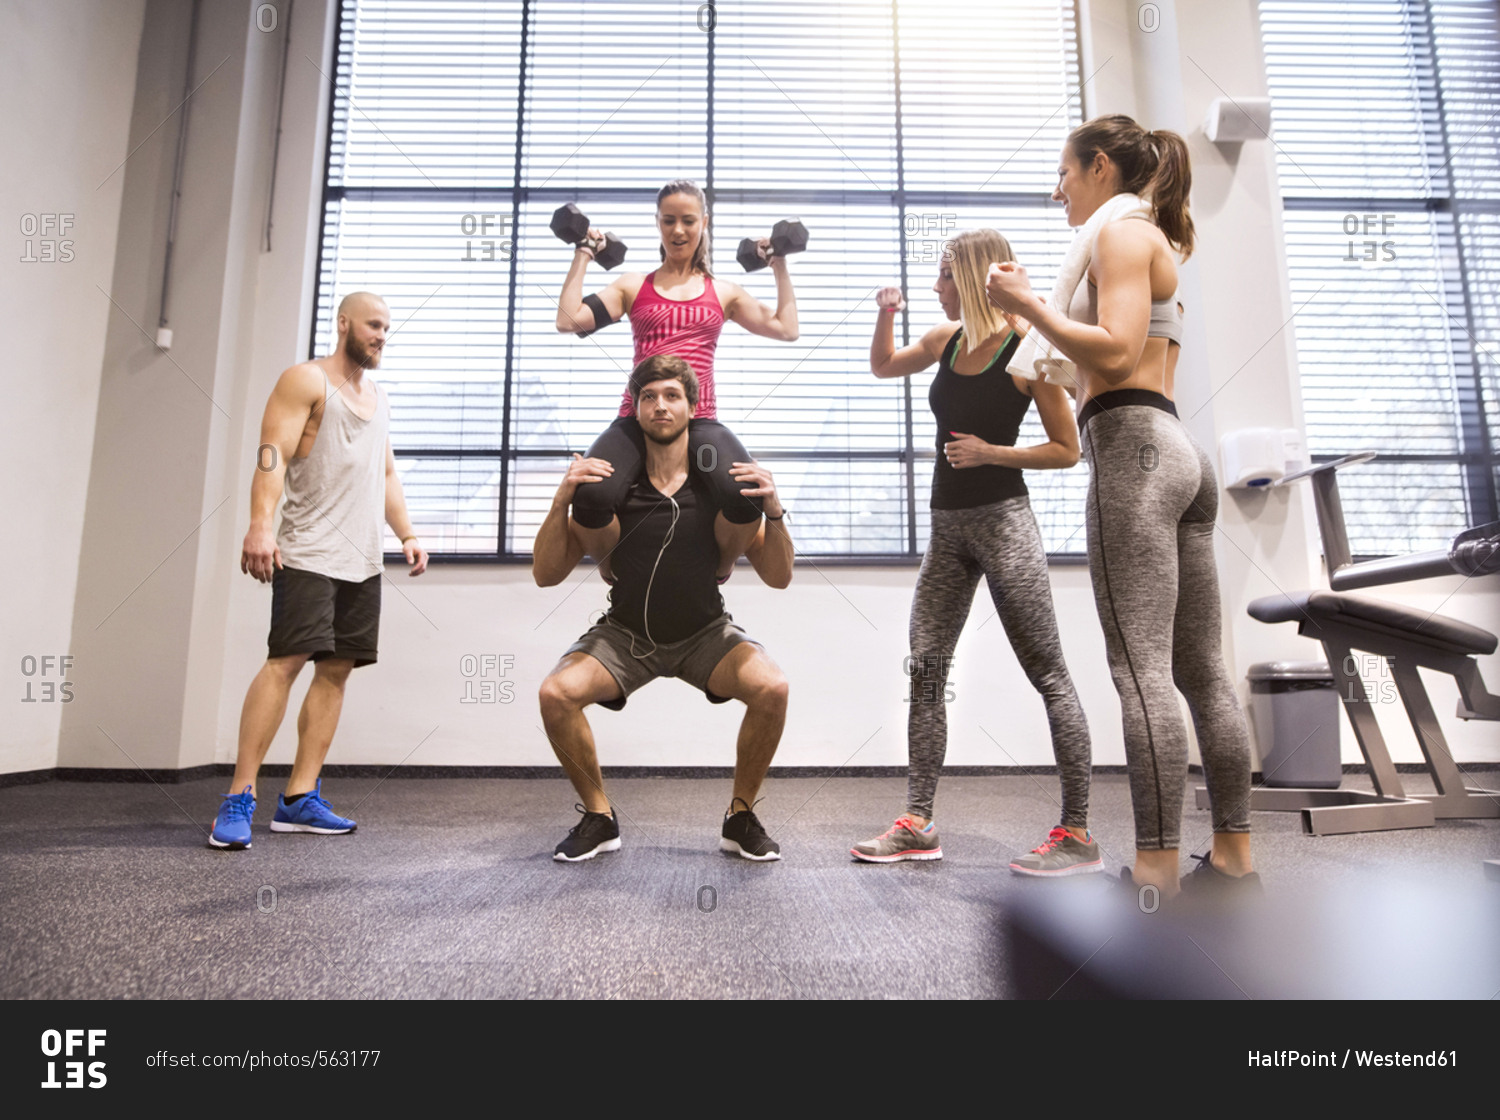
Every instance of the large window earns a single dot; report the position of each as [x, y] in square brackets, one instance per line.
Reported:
[884, 126]
[1386, 130]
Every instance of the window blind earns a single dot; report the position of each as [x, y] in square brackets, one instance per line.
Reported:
[459, 126]
[1384, 124]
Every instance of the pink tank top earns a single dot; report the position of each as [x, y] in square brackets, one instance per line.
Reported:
[688, 328]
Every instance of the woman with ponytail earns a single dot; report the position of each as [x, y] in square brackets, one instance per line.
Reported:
[1109, 333]
[678, 309]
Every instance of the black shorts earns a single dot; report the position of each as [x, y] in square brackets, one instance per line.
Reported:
[324, 617]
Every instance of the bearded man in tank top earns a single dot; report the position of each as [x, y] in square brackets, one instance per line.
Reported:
[325, 445]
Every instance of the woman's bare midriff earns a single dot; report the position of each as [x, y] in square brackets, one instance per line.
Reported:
[1151, 372]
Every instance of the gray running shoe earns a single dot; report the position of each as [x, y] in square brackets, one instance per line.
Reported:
[1062, 854]
[903, 840]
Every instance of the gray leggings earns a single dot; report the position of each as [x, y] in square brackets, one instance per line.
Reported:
[1000, 542]
[1152, 501]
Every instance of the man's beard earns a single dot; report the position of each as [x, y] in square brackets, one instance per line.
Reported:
[661, 437]
[366, 357]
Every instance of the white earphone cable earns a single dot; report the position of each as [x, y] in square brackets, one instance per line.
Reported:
[646, 605]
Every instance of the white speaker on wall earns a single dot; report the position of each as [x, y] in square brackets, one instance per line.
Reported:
[1234, 119]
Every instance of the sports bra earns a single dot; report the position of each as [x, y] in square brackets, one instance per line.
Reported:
[688, 328]
[1166, 317]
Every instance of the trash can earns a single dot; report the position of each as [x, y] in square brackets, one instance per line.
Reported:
[1294, 706]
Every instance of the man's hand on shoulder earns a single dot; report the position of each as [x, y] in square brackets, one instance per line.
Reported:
[558, 547]
[764, 486]
[581, 471]
[771, 553]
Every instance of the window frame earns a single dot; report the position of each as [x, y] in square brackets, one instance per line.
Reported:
[913, 449]
[1477, 457]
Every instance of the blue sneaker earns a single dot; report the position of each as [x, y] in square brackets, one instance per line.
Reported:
[310, 814]
[232, 825]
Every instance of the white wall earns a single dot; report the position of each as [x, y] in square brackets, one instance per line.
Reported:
[840, 633]
[160, 546]
[67, 81]
[840, 636]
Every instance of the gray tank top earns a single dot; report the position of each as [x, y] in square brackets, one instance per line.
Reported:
[1166, 319]
[335, 498]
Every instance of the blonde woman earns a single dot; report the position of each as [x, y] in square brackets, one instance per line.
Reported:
[982, 525]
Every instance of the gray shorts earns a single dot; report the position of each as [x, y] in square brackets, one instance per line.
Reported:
[693, 659]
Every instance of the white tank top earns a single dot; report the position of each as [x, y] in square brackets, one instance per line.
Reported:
[335, 498]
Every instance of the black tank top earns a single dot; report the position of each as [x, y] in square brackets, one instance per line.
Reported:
[684, 594]
[987, 405]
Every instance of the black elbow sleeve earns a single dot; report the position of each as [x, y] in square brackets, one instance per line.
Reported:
[602, 317]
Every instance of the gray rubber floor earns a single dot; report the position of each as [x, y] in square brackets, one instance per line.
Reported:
[449, 889]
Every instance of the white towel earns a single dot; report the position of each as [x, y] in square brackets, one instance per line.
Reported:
[1036, 356]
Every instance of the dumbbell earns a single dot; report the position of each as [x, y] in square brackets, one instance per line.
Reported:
[570, 225]
[787, 237]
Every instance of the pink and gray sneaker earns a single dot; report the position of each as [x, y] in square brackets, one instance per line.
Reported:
[1062, 854]
[903, 840]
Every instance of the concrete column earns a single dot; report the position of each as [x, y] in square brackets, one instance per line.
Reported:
[1238, 366]
[165, 485]
[67, 76]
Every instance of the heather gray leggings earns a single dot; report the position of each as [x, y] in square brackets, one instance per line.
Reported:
[1152, 501]
[1000, 542]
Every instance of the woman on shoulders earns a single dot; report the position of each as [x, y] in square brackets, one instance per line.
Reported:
[679, 309]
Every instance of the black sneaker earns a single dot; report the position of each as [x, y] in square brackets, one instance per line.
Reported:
[1207, 882]
[597, 832]
[744, 835]
[1143, 897]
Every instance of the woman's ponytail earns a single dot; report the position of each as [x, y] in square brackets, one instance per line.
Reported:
[1153, 165]
[1168, 188]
